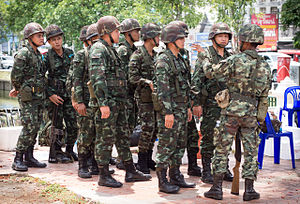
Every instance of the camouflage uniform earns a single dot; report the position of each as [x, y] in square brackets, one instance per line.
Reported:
[248, 79]
[28, 78]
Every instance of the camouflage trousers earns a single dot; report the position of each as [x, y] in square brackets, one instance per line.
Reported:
[193, 137]
[224, 138]
[87, 132]
[210, 116]
[172, 142]
[110, 131]
[31, 117]
[132, 114]
[65, 113]
[147, 117]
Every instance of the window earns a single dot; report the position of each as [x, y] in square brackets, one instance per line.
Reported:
[262, 1]
[274, 10]
[262, 9]
[273, 0]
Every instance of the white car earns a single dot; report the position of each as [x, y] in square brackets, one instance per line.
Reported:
[6, 62]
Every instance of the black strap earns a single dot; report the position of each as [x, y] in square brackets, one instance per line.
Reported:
[173, 67]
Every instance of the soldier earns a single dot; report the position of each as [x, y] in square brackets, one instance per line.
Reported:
[109, 82]
[248, 78]
[28, 80]
[220, 34]
[172, 88]
[141, 72]
[193, 136]
[58, 62]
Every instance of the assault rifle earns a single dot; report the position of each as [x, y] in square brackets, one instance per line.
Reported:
[236, 170]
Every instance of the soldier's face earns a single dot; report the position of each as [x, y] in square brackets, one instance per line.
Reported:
[115, 35]
[135, 35]
[56, 42]
[180, 42]
[222, 39]
[38, 39]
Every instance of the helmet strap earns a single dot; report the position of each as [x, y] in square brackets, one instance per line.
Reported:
[219, 45]
[111, 39]
[130, 36]
[176, 46]
[241, 46]
[156, 44]
[32, 42]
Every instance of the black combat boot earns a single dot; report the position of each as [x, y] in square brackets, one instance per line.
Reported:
[83, 171]
[193, 168]
[142, 164]
[120, 165]
[206, 173]
[60, 156]
[176, 178]
[250, 193]
[228, 175]
[133, 175]
[93, 166]
[151, 163]
[163, 183]
[215, 191]
[113, 161]
[18, 164]
[105, 178]
[69, 150]
[30, 161]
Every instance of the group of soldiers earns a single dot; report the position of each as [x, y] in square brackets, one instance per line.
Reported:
[101, 93]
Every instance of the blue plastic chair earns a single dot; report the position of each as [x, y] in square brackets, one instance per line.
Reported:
[295, 92]
[277, 136]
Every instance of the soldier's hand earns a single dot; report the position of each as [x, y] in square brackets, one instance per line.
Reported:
[13, 93]
[105, 112]
[56, 99]
[81, 109]
[75, 105]
[197, 48]
[169, 120]
[151, 86]
[197, 110]
[190, 115]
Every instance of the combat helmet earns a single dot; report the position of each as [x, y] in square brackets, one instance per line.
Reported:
[171, 32]
[83, 35]
[183, 25]
[52, 31]
[219, 28]
[31, 29]
[149, 31]
[252, 33]
[91, 31]
[107, 24]
[129, 24]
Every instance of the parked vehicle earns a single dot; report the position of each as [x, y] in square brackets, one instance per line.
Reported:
[6, 62]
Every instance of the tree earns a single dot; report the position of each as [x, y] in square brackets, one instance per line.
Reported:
[290, 16]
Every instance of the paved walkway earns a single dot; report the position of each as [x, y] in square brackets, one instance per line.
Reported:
[277, 183]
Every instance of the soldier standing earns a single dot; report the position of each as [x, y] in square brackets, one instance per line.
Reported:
[141, 72]
[28, 80]
[58, 62]
[171, 84]
[193, 136]
[248, 79]
[109, 83]
[220, 34]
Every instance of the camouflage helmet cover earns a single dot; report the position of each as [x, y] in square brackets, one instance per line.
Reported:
[83, 31]
[171, 32]
[31, 29]
[252, 33]
[219, 28]
[91, 31]
[53, 30]
[183, 25]
[149, 31]
[107, 24]
[129, 24]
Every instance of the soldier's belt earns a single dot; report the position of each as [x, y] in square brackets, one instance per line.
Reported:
[180, 99]
[116, 82]
[243, 97]
[38, 89]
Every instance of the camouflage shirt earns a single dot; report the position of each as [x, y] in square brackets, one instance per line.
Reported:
[203, 87]
[29, 71]
[58, 72]
[248, 78]
[165, 81]
[124, 52]
[81, 76]
[107, 76]
[141, 72]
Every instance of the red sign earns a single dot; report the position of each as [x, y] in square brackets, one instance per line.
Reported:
[269, 23]
[283, 68]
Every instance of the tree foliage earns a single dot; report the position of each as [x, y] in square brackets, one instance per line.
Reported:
[71, 15]
[290, 15]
